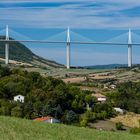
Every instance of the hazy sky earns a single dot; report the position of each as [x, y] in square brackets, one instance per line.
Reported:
[98, 20]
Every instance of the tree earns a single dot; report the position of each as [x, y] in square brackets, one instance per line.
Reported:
[90, 100]
[4, 71]
[28, 110]
[58, 112]
[5, 107]
[89, 116]
[71, 117]
[37, 108]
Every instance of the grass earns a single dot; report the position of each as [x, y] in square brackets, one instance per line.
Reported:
[20, 129]
[130, 119]
[62, 71]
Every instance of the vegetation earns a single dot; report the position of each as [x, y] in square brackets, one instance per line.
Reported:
[21, 129]
[47, 96]
[119, 126]
[135, 130]
[66, 102]
[20, 52]
[127, 96]
[17, 51]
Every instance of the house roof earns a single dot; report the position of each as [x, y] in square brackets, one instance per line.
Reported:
[98, 95]
[43, 118]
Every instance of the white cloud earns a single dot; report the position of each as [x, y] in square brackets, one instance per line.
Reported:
[103, 14]
[76, 15]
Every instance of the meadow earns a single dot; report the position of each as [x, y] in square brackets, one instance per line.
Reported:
[21, 129]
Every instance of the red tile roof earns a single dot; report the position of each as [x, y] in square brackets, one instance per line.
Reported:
[43, 118]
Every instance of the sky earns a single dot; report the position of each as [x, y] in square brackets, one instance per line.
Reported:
[89, 20]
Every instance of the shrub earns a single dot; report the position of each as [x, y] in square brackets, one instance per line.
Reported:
[87, 117]
[16, 112]
[83, 123]
[135, 130]
[119, 126]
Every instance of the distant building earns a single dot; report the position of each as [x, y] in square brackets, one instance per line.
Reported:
[19, 98]
[99, 97]
[113, 86]
[119, 110]
[47, 119]
[105, 87]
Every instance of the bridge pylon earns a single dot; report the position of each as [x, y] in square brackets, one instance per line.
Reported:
[129, 49]
[68, 49]
[7, 46]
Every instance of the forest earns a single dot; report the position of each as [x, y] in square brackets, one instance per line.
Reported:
[127, 96]
[50, 96]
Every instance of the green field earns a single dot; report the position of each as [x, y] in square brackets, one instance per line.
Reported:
[20, 129]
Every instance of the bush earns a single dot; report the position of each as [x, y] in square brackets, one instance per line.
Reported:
[135, 130]
[83, 123]
[4, 110]
[87, 117]
[102, 115]
[16, 112]
[119, 126]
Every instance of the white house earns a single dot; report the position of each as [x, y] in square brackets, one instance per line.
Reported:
[99, 97]
[19, 98]
[112, 86]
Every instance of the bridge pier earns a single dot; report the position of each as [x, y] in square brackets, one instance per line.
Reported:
[7, 47]
[129, 49]
[68, 49]
[129, 55]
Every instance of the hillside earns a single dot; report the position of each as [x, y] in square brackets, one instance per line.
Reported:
[109, 66]
[20, 52]
[20, 129]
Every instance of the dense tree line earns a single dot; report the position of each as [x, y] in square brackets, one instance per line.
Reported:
[127, 96]
[47, 96]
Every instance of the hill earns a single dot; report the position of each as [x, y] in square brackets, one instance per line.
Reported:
[20, 52]
[20, 129]
[109, 66]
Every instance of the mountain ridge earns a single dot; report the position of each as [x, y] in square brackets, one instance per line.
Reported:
[106, 66]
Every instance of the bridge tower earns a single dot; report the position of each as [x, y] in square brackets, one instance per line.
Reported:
[68, 48]
[129, 49]
[7, 46]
